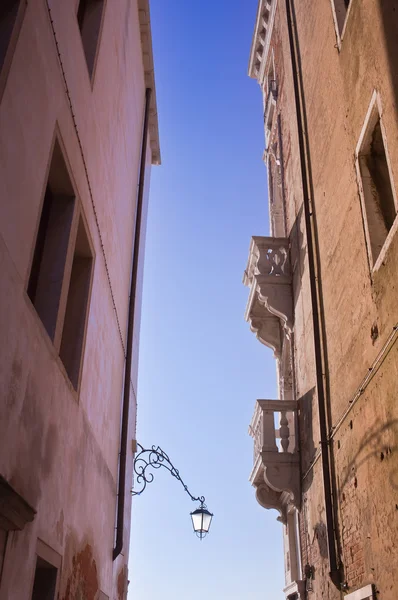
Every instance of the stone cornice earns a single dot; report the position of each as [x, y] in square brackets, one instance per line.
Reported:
[149, 72]
[261, 38]
[15, 512]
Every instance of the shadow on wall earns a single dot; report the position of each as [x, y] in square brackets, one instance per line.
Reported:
[389, 15]
[307, 445]
[321, 536]
[298, 252]
[373, 445]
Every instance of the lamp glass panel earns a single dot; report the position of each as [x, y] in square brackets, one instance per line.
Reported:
[201, 519]
[197, 520]
[206, 522]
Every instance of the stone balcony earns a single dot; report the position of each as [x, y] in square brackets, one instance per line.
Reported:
[270, 306]
[276, 470]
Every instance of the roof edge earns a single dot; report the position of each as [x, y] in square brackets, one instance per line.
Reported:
[149, 75]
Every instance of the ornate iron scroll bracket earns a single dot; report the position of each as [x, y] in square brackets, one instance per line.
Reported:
[154, 458]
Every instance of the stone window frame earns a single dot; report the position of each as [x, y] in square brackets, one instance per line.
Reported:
[6, 66]
[364, 593]
[78, 217]
[340, 31]
[52, 557]
[375, 104]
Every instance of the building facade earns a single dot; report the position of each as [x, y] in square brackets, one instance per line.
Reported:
[323, 292]
[78, 136]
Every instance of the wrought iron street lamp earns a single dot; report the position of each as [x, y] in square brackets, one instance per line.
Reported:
[154, 458]
[201, 520]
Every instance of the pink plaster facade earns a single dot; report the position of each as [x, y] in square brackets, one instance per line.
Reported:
[59, 445]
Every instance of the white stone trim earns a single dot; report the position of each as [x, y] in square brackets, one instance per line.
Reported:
[364, 593]
[296, 587]
[255, 41]
[340, 34]
[270, 29]
[276, 471]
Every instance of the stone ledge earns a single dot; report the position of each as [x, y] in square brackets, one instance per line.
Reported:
[149, 73]
[364, 593]
[15, 512]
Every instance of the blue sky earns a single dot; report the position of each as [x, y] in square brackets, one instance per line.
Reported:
[201, 369]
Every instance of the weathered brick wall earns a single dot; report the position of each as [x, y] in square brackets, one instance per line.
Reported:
[359, 305]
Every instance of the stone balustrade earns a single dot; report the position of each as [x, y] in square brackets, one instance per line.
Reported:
[276, 472]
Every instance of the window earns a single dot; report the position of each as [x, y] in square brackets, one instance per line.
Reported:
[8, 15]
[376, 189]
[340, 11]
[61, 269]
[48, 563]
[46, 278]
[3, 544]
[45, 581]
[11, 14]
[76, 307]
[89, 18]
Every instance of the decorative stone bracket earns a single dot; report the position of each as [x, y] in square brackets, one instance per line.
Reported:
[270, 307]
[276, 471]
[262, 34]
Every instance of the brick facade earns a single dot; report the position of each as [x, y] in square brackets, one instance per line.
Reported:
[347, 85]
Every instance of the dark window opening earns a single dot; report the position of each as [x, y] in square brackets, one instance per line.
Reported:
[89, 18]
[376, 184]
[3, 544]
[76, 307]
[8, 16]
[45, 580]
[49, 258]
[380, 179]
[341, 8]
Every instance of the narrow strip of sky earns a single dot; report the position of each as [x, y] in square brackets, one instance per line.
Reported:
[201, 369]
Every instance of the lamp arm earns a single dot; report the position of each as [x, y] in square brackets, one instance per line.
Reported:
[155, 458]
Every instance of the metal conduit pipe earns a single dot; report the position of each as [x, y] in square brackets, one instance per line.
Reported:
[130, 332]
[334, 571]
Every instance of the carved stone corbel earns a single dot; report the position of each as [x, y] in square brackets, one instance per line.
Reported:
[268, 498]
[268, 332]
[276, 295]
[282, 473]
[265, 325]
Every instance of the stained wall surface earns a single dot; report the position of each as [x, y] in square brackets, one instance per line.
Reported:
[59, 445]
